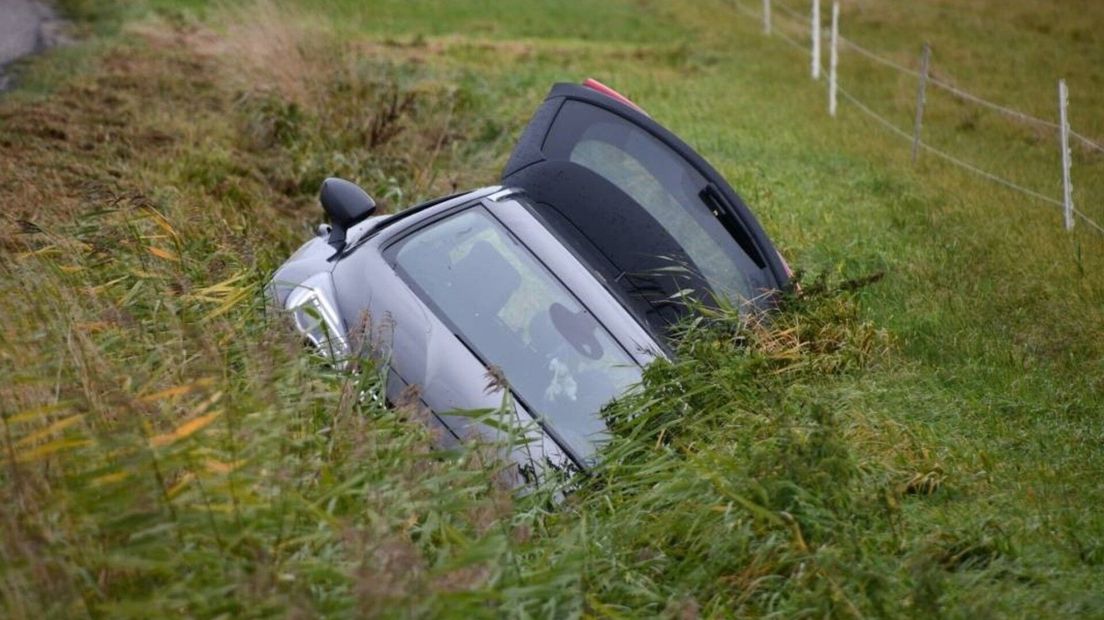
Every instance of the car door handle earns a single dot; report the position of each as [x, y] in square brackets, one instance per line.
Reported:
[713, 199]
[723, 210]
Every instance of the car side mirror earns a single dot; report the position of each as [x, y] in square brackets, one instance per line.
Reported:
[346, 204]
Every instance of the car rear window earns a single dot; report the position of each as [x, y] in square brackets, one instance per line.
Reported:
[666, 186]
[514, 313]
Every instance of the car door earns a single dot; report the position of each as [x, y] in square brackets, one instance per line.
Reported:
[644, 209]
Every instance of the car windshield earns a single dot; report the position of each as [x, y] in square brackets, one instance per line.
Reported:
[514, 313]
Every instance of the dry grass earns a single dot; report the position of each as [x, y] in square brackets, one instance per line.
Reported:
[168, 448]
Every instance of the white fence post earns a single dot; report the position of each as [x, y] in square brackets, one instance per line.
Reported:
[1067, 189]
[766, 17]
[925, 59]
[814, 32]
[833, 60]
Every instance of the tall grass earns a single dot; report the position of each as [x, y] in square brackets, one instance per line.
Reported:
[917, 447]
[169, 449]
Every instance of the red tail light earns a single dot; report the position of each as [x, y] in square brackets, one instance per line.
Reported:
[595, 85]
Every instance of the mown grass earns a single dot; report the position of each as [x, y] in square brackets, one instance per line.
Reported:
[926, 445]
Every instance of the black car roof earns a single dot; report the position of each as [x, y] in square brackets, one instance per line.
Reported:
[616, 233]
[642, 263]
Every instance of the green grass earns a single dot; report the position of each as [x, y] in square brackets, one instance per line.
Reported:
[926, 445]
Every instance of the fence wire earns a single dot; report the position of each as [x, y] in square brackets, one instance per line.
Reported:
[943, 154]
[1088, 220]
[791, 12]
[888, 125]
[1087, 142]
[878, 58]
[788, 40]
[746, 11]
[1016, 114]
[805, 20]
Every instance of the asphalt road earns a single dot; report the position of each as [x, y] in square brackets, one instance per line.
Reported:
[26, 27]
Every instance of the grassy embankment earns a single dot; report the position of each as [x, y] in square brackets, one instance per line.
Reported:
[928, 444]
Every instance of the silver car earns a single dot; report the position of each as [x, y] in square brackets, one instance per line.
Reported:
[548, 293]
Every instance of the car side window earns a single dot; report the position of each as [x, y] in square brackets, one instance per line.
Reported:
[514, 313]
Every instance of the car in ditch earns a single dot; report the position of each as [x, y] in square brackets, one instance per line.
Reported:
[561, 282]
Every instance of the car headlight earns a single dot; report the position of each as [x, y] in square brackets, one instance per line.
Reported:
[315, 314]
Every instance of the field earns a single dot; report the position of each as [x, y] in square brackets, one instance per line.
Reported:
[919, 434]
